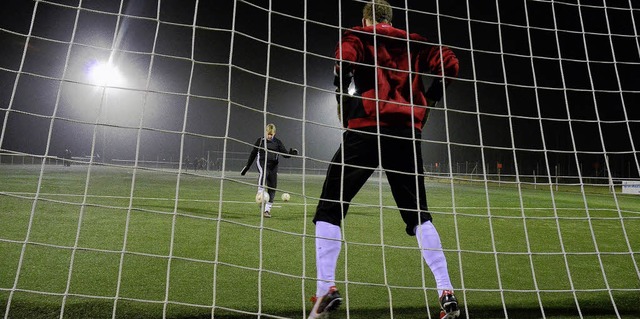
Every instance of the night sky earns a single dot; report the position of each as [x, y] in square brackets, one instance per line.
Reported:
[555, 80]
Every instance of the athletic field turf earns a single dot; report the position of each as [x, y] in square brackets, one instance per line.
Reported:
[113, 242]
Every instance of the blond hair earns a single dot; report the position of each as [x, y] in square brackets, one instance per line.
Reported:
[383, 11]
[271, 129]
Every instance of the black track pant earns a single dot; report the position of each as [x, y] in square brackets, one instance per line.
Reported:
[400, 163]
[269, 178]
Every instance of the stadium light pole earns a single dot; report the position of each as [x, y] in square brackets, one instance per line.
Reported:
[104, 76]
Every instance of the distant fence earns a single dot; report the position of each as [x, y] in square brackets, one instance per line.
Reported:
[22, 159]
[432, 171]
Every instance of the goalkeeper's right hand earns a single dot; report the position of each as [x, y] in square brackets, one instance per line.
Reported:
[244, 170]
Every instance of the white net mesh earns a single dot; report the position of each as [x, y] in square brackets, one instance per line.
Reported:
[125, 125]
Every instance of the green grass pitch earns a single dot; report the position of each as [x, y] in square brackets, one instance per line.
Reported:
[106, 242]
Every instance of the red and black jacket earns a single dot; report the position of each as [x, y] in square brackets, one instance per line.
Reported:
[399, 94]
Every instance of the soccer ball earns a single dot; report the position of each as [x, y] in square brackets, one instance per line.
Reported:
[286, 197]
[262, 197]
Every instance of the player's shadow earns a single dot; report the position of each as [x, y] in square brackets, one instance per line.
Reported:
[24, 307]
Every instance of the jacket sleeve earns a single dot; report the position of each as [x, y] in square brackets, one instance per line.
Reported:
[283, 150]
[442, 62]
[350, 49]
[254, 153]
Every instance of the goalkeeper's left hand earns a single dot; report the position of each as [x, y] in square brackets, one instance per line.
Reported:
[293, 151]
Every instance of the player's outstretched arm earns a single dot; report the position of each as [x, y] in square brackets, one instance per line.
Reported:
[282, 149]
[252, 157]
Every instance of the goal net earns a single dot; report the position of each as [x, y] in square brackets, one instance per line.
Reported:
[126, 124]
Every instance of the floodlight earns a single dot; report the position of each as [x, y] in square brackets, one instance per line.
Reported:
[105, 74]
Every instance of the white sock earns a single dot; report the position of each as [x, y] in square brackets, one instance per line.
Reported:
[327, 252]
[431, 248]
[267, 206]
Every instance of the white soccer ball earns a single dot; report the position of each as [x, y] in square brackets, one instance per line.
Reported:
[262, 197]
[286, 197]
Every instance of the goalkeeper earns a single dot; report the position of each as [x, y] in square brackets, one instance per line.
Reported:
[388, 111]
[269, 155]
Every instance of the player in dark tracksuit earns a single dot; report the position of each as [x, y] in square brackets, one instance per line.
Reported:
[268, 175]
[384, 119]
